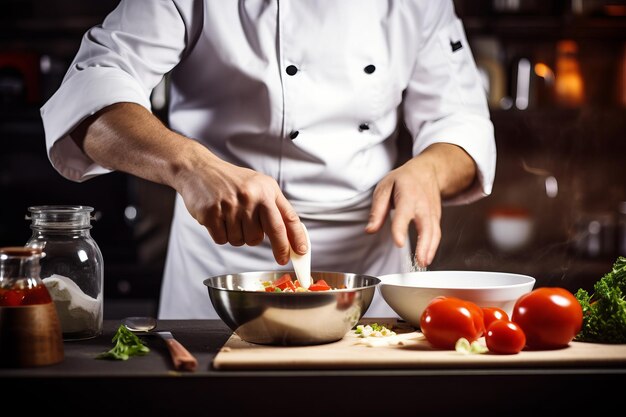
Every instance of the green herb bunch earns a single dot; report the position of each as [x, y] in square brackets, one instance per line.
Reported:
[127, 344]
[604, 311]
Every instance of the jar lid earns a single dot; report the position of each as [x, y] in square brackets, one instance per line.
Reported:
[60, 216]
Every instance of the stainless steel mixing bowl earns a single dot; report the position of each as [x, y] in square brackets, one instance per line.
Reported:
[302, 318]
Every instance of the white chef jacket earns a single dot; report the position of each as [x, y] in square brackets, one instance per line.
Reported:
[307, 92]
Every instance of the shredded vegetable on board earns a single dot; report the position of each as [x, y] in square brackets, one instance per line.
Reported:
[373, 330]
[127, 344]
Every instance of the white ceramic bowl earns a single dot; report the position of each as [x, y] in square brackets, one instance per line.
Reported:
[409, 293]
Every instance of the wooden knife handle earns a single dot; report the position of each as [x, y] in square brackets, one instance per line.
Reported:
[183, 360]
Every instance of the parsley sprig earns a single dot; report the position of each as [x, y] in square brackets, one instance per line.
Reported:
[604, 310]
[127, 344]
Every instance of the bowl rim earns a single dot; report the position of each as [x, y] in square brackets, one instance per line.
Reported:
[528, 280]
[377, 281]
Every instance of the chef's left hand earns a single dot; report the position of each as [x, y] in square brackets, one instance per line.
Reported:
[415, 190]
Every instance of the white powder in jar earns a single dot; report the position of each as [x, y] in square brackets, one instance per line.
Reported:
[77, 311]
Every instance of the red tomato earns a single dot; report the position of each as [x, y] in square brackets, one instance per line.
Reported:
[319, 285]
[446, 319]
[270, 288]
[550, 317]
[505, 337]
[283, 281]
[492, 314]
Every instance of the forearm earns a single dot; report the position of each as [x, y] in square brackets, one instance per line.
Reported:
[127, 137]
[237, 205]
[454, 170]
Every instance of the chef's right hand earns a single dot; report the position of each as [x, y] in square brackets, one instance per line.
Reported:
[239, 206]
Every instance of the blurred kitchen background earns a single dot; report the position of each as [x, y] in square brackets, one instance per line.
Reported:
[554, 73]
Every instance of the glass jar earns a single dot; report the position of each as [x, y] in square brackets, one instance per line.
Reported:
[72, 267]
[30, 331]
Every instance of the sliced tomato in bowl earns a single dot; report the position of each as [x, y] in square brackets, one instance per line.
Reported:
[283, 282]
[319, 285]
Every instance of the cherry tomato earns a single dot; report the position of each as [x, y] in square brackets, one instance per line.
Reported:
[505, 337]
[549, 316]
[491, 314]
[446, 319]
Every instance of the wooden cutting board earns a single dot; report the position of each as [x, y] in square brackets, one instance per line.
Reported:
[408, 350]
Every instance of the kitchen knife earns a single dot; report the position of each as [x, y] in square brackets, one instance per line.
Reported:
[182, 359]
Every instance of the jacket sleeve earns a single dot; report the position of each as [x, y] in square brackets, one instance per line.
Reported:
[121, 60]
[445, 100]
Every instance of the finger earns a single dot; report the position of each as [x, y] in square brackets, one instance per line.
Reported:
[429, 237]
[215, 225]
[274, 227]
[232, 223]
[436, 231]
[252, 229]
[381, 202]
[402, 217]
[434, 243]
[295, 232]
[218, 233]
[424, 230]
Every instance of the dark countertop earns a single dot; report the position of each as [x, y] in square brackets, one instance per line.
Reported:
[85, 386]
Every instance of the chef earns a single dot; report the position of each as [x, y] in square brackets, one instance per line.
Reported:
[281, 112]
